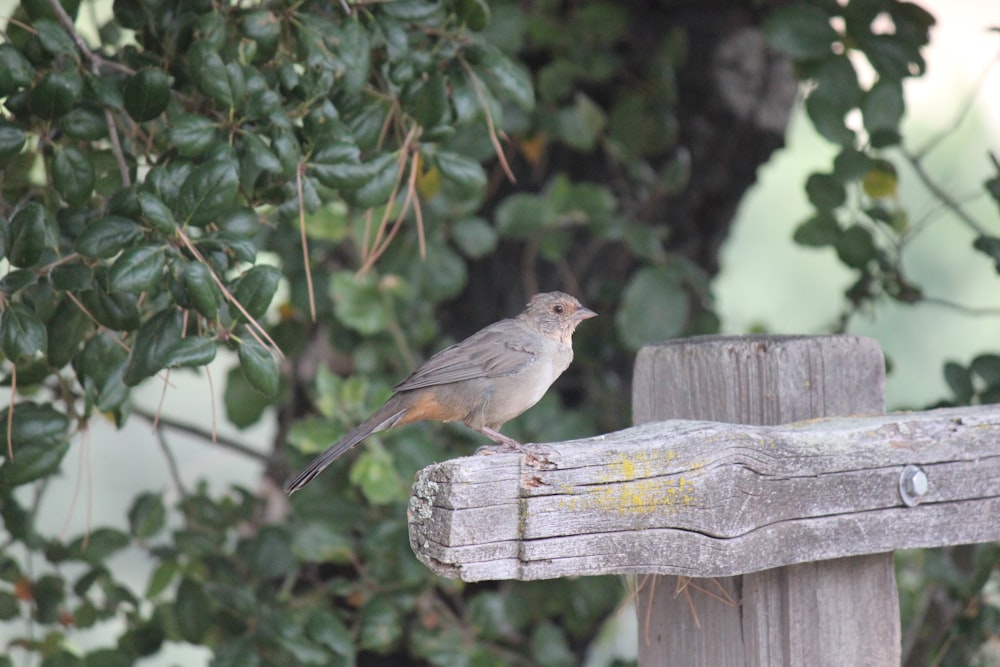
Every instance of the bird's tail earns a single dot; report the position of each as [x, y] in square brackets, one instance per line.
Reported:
[385, 417]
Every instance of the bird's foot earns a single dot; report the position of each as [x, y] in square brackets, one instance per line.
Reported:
[501, 448]
[509, 444]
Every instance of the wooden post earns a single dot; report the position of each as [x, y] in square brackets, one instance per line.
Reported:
[837, 612]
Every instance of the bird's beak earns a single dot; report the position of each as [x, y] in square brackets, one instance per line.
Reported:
[584, 314]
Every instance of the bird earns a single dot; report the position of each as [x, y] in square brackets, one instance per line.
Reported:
[483, 381]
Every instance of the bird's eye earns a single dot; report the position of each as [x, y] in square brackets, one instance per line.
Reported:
[558, 309]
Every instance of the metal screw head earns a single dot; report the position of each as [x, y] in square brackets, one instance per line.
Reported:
[912, 485]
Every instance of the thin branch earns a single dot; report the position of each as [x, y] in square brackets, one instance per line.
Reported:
[116, 148]
[211, 402]
[382, 241]
[960, 308]
[413, 198]
[254, 326]
[10, 413]
[497, 148]
[168, 454]
[96, 63]
[940, 193]
[197, 432]
[305, 241]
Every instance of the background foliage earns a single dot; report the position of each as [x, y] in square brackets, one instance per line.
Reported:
[379, 168]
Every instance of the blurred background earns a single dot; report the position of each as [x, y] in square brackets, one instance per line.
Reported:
[766, 282]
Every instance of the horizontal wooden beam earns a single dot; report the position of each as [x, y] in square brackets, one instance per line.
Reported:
[708, 499]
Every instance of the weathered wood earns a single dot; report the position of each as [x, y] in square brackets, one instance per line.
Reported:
[842, 612]
[709, 499]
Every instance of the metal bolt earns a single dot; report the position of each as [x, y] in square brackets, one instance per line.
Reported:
[912, 485]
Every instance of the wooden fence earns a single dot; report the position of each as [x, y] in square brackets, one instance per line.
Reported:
[790, 491]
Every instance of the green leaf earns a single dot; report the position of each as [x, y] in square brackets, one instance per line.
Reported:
[71, 276]
[989, 245]
[829, 121]
[108, 657]
[262, 26]
[320, 542]
[959, 380]
[154, 342]
[987, 367]
[268, 553]
[580, 125]
[327, 629]
[107, 237]
[137, 269]
[209, 191]
[355, 51]
[147, 516]
[883, 106]
[549, 646]
[40, 441]
[257, 153]
[10, 608]
[210, 75]
[117, 311]
[374, 473]
[157, 213]
[856, 247]
[801, 31]
[193, 351]
[73, 175]
[337, 164]
[837, 84]
[465, 172]
[22, 334]
[98, 545]
[17, 280]
[891, 55]
[66, 330]
[147, 94]
[240, 222]
[508, 79]
[474, 13]
[655, 307]
[201, 289]
[244, 404]
[56, 94]
[84, 124]
[376, 190]
[430, 101]
[881, 180]
[851, 164]
[825, 191]
[191, 135]
[474, 237]
[818, 231]
[524, 215]
[11, 140]
[28, 235]
[16, 71]
[161, 578]
[192, 610]
[259, 366]
[100, 361]
[357, 302]
[442, 276]
[256, 288]
[53, 38]
[381, 625]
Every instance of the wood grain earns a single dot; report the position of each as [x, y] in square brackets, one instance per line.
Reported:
[709, 499]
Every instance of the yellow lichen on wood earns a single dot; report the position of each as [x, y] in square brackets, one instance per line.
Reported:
[635, 483]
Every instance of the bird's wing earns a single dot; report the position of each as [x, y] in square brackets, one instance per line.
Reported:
[498, 350]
